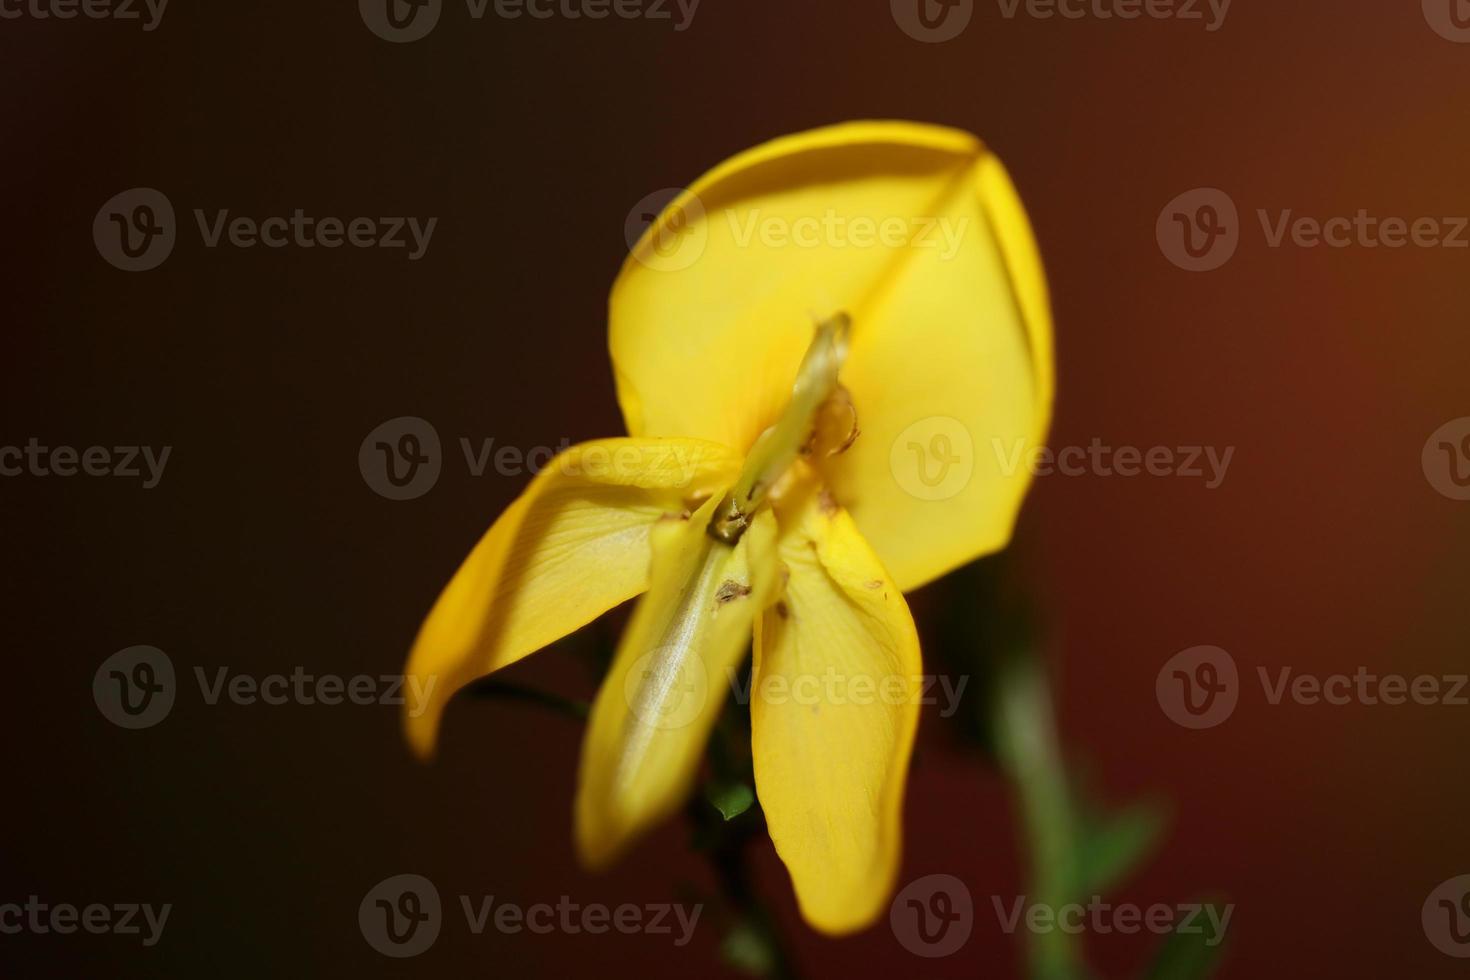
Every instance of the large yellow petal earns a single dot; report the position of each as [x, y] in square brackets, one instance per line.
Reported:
[574, 545]
[669, 680]
[834, 710]
[951, 377]
[917, 233]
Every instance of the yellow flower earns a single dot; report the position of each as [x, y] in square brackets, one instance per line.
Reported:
[829, 351]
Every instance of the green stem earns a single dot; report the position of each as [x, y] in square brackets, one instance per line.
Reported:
[490, 689]
[728, 844]
[1027, 741]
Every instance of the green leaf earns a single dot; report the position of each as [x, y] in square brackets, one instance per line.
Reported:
[1191, 955]
[748, 950]
[1112, 845]
[731, 799]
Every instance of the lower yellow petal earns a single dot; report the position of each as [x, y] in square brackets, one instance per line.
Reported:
[574, 545]
[834, 711]
[669, 679]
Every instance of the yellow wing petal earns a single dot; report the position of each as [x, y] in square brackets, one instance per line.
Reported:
[834, 710]
[574, 545]
[913, 230]
[669, 680]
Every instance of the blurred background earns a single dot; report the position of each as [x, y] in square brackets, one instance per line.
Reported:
[262, 549]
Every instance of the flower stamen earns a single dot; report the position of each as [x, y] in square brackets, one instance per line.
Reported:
[780, 445]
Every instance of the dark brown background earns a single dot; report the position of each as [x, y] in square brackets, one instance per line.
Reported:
[263, 548]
